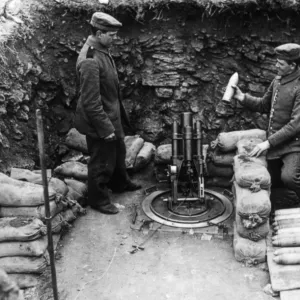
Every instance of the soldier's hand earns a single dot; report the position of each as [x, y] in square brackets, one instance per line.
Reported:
[238, 94]
[260, 148]
[111, 137]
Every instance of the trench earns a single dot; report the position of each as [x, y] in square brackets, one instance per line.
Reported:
[176, 59]
[170, 58]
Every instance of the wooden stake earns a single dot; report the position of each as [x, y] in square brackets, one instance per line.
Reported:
[40, 132]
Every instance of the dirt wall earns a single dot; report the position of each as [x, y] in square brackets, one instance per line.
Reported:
[170, 59]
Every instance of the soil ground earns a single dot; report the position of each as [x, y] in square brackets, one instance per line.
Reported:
[95, 262]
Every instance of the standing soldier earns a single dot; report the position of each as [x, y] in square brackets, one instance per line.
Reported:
[99, 113]
[282, 101]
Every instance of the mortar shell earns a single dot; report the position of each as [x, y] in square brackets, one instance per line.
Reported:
[287, 211]
[293, 230]
[286, 221]
[286, 241]
[229, 92]
[287, 259]
[287, 250]
[283, 226]
[286, 217]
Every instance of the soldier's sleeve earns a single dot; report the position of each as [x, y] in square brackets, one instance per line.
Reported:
[262, 104]
[292, 128]
[91, 97]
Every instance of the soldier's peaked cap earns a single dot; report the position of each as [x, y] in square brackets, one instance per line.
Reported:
[105, 22]
[288, 51]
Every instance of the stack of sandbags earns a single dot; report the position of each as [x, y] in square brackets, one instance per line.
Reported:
[287, 236]
[21, 198]
[138, 154]
[23, 240]
[219, 168]
[251, 189]
[64, 208]
[23, 249]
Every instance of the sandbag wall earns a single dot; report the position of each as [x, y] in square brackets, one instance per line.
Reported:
[138, 154]
[23, 239]
[251, 189]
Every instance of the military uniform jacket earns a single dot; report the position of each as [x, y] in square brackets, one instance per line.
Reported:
[99, 109]
[282, 101]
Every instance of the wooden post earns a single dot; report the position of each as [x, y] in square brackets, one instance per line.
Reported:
[40, 132]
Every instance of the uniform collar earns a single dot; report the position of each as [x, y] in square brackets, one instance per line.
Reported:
[93, 42]
[290, 77]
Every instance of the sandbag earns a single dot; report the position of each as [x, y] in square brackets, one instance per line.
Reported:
[76, 140]
[253, 208]
[74, 195]
[73, 155]
[248, 251]
[223, 159]
[245, 146]
[21, 229]
[163, 154]
[34, 211]
[144, 156]
[253, 234]
[61, 221]
[224, 182]
[27, 175]
[248, 173]
[78, 186]
[16, 193]
[77, 209]
[73, 169]
[24, 280]
[133, 146]
[68, 215]
[36, 177]
[23, 264]
[29, 248]
[227, 141]
[219, 171]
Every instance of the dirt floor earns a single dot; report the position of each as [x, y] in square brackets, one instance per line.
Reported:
[95, 262]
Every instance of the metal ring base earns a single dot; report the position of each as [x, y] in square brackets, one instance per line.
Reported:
[218, 210]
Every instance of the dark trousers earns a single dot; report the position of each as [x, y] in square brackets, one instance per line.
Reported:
[106, 169]
[285, 172]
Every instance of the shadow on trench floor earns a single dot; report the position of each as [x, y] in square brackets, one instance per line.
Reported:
[95, 262]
